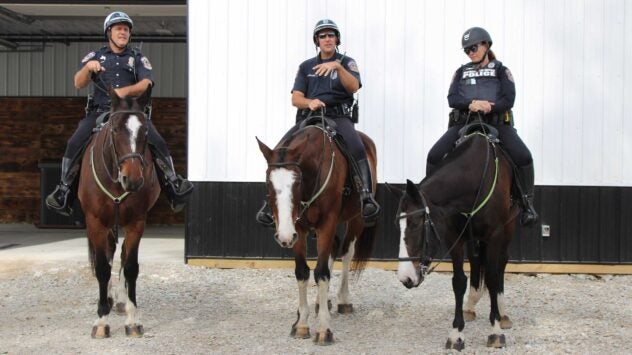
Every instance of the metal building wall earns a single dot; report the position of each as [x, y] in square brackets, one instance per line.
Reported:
[567, 57]
[50, 72]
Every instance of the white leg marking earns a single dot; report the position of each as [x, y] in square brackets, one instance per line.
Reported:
[133, 314]
[282, 181]
[343, 292]
[101, 321]
[500, 299]
[133, 124]
[473, 296]
[323, 313]
[496, 328]
[303, 308]
[405, 269]
[455, 335]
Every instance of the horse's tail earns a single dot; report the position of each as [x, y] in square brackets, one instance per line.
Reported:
[364, 248]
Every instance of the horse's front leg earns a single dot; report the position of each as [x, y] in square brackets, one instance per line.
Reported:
[300, 328]
[476, 254]
[100, 253]
[322, 275]
[456, 339]
[129, 265]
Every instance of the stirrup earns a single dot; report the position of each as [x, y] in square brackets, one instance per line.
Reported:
[370, 210]
[528, 218]
[60, 205]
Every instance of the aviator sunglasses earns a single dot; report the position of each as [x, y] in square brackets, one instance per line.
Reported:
[326, 35]
[473, 48]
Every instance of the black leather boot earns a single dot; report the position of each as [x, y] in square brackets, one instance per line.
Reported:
[529, 216]
[370, 207]
[60, 199]
[175, 186]
[265, 218]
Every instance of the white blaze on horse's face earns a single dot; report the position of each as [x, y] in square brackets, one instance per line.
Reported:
[406, 271]
[133, 124]
[282, 181]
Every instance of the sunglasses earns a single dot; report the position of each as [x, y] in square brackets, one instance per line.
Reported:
[473, 48]
[326, 35]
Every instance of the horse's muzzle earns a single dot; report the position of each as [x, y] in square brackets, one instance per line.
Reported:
[285, 244]
[130, 185]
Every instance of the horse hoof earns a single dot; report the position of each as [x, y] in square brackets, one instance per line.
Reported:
[324, 338]
[505, 322]
[469, 315]
[119, 308]
[496, 341]
[345, 308]
[458, 345]
[300, 332]
[100, 332]
[134, 331]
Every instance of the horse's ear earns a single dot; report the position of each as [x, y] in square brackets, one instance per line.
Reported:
[114, 98]
[267, 152]
[394, 190]
[144, 98]
[412, 191]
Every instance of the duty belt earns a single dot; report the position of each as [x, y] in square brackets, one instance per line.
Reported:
[496, 118]
[333, 110]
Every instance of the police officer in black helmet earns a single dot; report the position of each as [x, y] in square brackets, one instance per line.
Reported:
[327, 83]
[486, 87]
[129, 73]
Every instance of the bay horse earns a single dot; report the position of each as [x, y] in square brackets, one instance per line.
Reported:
[465, 202]
[117, 187]
[306, 179]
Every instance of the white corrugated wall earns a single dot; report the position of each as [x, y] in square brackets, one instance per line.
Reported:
[50, 72]
[568, 58]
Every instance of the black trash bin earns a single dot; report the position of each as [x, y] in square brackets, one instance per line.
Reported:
[49, 177]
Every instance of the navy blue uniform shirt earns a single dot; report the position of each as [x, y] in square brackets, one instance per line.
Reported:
[327, 89]
[493, 83]
[121, 69]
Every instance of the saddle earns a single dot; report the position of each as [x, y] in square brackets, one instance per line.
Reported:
[478, 127]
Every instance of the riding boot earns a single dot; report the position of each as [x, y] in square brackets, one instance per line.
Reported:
[60, 200]
[370, 207]
[529, 216]
[178, 188]
[264, 218]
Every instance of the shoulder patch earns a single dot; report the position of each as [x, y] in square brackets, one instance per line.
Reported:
[509, 76]
[353, 66]
[88, 57]
[146, 63]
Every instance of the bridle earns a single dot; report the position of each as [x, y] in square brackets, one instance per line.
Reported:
[305, 205]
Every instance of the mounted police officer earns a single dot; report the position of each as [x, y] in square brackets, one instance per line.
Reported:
[129, 73]
[327, 83]
[486, 87]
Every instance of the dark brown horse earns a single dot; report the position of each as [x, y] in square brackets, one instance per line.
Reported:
[306, 179]
[467, 201]
[117, 186]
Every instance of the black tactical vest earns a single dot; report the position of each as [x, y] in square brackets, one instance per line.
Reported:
[480, 83]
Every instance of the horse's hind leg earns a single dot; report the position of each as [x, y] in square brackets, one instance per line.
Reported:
[300, 328]
[475, 253]
[348, 249]
[100, 244]
[129, 264]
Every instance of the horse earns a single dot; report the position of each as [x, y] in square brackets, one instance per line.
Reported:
[117, 187]
[465, 202]
[306, 179]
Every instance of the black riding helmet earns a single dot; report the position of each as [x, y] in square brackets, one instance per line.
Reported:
[325, 24]
[475, 35]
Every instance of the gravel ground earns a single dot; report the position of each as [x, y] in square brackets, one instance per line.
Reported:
[50, 307]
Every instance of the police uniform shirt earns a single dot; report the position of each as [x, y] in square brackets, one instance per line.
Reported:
[493, 83]
[328, 89]
[121, 69]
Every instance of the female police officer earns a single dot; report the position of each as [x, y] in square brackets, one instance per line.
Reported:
[486, 86]
[130, 74]
[327, 82]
